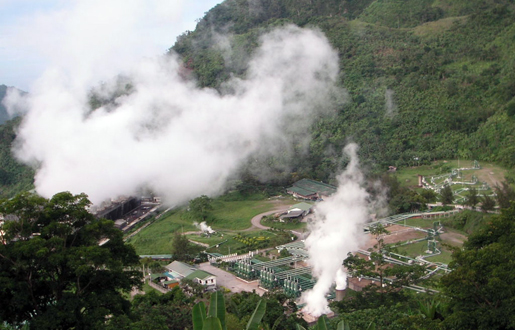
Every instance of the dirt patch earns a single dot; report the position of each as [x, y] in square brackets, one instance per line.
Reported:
[490, 174]
[397, 234]
[453, 238]
[404, 236]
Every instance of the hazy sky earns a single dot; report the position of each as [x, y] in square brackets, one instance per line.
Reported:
[31, 31]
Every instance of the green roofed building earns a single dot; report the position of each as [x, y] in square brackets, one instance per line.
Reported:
[202, 277]
[180, 268]
[311, 189]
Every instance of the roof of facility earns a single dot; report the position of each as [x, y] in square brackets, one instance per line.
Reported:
[180, 268]
[315, 186]
[308, 187]
[303, 206]
[293, 214]
[200, 274]
[154, 276]
[301, 191]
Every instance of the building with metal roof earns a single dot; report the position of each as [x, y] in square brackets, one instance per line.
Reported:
[202, 277]
[311, 189]
[180, 268]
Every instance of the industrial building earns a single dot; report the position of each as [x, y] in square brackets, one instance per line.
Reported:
[311, 189]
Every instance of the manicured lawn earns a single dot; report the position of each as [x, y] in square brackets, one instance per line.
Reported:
[157, 237]
[236, 215]
[228, 215]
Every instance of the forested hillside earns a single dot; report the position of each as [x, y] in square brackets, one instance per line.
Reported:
[14, 177]
[427, 79]
[4, 116]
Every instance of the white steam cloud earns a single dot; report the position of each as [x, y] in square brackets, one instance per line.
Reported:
[391, 107]
[336, 231]
[204, 227]
[168, 135]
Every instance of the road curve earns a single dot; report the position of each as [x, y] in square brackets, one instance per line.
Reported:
[256, 220]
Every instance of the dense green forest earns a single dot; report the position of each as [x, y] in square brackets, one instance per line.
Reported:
[427, 79]
[14, 177]
[4, 116]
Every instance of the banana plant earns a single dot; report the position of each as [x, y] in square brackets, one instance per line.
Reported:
[215, 318]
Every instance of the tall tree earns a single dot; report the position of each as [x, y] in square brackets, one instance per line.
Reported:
[156, 311]
[201, 207]
[482, 283]
[182, 248]
[54, 274]
[472, 198]
[446, 195]
[487, 203]
[505, 194]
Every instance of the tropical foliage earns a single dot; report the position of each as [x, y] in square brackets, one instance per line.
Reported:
[426, 79]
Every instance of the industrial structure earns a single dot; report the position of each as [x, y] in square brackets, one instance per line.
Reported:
[290, 273]
[311, 189]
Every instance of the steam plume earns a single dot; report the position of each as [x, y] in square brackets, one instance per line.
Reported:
[336, 231]
[204, 227]
[167, 134]
[391, 107]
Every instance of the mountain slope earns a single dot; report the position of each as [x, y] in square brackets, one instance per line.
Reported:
[4, 116]
[428, 79]
[14, 177]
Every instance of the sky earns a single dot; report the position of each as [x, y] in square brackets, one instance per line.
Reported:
[31, 31]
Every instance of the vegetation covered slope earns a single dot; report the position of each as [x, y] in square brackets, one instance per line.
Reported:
[427, 79]
[4, 116]
[14, 177]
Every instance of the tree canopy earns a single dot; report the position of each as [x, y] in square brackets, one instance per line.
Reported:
[183, 249]
[60, 266]
[200, 208]
[482, 283]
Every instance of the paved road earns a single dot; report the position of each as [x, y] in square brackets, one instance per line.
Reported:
[230, 281]
[256, 221]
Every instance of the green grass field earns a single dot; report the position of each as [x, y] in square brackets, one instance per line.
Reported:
[228, 216]
[284, 225]
[413, 250]
[147, 288]
[445, 257]
[236, 215]
[157, 237]
[419, 248]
